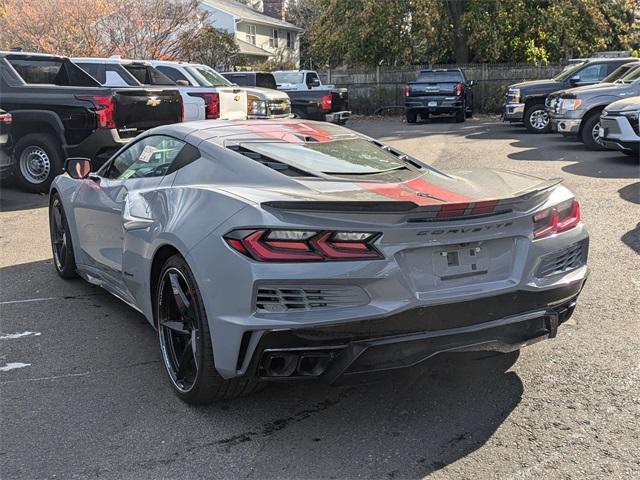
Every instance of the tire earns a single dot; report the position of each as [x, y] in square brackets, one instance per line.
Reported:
[412, 116]
[461, 115]
[198, 382]
[536, 119]
[39, 159]
[589, 128]
[61, 242]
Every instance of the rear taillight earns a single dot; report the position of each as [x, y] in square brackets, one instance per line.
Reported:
[407, 90]
[325, 103]
[458, 89]
[560, 218]
[211, 104]
[105, 109]
[6, 118]
[303, 245]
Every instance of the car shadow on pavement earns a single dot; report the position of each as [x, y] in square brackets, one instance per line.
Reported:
[12, 199]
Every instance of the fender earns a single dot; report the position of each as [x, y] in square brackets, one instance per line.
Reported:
[21, 117]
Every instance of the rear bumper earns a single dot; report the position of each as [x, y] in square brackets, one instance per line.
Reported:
[501, 323]
[513, 112]
[434, 104]
[338, 117]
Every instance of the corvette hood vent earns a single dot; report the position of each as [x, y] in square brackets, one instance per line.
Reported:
[281, 298]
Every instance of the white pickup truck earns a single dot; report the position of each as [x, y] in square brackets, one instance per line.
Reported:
[200, 103]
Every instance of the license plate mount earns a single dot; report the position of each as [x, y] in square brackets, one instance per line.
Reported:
[457, 262]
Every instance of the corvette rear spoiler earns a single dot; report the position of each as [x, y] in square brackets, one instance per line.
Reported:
[524, 200]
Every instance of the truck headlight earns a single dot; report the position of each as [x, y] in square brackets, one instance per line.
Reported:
[570, 104]
[514, 93]
[256, 106]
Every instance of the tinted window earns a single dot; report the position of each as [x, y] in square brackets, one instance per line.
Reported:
[148, 75]
[239, 79]
[150, 157]
[92, 69]
[173, 73]
[265, 80]
[439, 77]
[352, 156]
[48, 70]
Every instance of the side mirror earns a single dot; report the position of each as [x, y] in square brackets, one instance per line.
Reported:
[78, 168]
[182, 83]
[575, 79]
[472, 83]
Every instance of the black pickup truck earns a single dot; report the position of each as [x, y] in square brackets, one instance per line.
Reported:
[60, 111]
[439, 91]
[311, 99]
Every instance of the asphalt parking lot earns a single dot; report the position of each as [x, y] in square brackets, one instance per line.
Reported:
[84, 394]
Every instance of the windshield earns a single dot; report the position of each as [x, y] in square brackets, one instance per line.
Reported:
[288, 77]
[208, 77]
[632, 77]
[619, 72]
[569, 72]
[352, 156]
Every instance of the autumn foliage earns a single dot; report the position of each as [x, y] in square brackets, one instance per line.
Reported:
[158, 29]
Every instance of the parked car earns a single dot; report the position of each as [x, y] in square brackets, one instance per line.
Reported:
[279, 250]
[229, 100]
[620, 126]
[438, 91]
[311, 99]
[6, 165]
[61, 111]
[525, 101]
[577, 110]
[265, 101]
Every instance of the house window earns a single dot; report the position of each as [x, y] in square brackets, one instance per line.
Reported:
[251, 34]
[291, 39]
[273, 41]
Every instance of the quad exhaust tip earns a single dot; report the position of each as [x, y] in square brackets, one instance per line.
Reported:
[294, 364]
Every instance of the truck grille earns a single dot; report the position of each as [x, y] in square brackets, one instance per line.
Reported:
[279, 299]
[564, 260]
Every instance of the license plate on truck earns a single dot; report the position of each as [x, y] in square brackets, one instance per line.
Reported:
[432, 104]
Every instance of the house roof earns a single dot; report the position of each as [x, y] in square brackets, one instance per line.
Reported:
[247, 48]
[247, 14]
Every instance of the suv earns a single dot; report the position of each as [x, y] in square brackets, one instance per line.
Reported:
[439, 91]
[620, 123]
[229, 100]
[61, 111]
[577, 111]
[525, 102]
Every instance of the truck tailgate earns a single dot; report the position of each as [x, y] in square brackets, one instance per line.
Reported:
[137, 110]
[233, 103]
[339, 100]
[419, 89]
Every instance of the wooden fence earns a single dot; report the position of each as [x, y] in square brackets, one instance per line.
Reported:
[371, 89]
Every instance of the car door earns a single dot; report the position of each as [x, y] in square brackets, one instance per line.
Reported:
[99, 206]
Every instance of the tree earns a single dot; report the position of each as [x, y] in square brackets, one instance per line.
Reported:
[302, 13]
[61, 27]
[210, 46]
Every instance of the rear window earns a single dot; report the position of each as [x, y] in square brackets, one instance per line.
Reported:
[439, 77]
[148, 75]
[346, 157]
[288, 77]
[50, 71]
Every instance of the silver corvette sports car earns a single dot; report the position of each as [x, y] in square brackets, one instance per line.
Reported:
[292, 250]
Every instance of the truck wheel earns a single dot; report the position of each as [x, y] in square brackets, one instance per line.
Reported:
[461, 115]
[38, 160]
[536, 119]
[590, 130]
[412, 116]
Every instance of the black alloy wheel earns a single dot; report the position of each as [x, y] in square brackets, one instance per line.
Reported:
[61, 245]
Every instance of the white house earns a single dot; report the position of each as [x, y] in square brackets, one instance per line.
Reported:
[261, 32]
